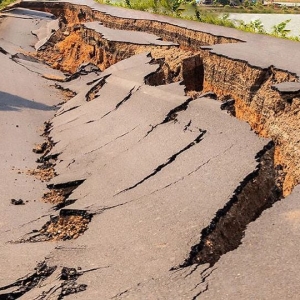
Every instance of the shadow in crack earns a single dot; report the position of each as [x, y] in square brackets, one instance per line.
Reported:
[9, 102]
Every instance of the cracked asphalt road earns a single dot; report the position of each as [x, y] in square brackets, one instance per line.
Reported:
[26, 101]
[152, 180]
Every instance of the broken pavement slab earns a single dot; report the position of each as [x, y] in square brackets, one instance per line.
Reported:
[288, 87]
[131, 37]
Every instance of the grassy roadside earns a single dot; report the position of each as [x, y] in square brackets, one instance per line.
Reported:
[188, 7]
[216, 14]
[5, 3]
[253, 9]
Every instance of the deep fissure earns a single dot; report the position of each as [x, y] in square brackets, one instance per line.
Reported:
[258, 191]
[23, 285]
[65, 282]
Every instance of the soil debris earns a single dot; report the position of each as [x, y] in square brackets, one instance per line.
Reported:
[55, 196]
[69, 224]
[65, 227]
[42, 173]
[59, 194]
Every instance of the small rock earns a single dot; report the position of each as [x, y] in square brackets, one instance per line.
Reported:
[17, 202]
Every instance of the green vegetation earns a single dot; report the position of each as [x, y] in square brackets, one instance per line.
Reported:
[280, 29]
[140, 5]
[165, 7]
[4, 3]
[249, 7]
[254, 26]
[216, 14]
[215, 19]
[218, 6]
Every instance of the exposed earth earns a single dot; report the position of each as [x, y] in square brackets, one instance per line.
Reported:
[145, 157]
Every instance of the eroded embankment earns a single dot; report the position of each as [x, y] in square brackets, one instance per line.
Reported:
[249, 89]
[74, 45]
[269, 112]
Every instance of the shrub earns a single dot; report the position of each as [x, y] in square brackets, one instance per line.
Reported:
[280, 29]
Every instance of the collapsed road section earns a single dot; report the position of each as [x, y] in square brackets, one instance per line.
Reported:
[159, 148]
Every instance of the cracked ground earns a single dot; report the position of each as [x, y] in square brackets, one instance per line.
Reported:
[152, 192]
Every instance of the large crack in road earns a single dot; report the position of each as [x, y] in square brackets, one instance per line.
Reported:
[147, 173]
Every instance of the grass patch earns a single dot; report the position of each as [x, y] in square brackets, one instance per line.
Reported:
[215, 14]
[5, 3]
